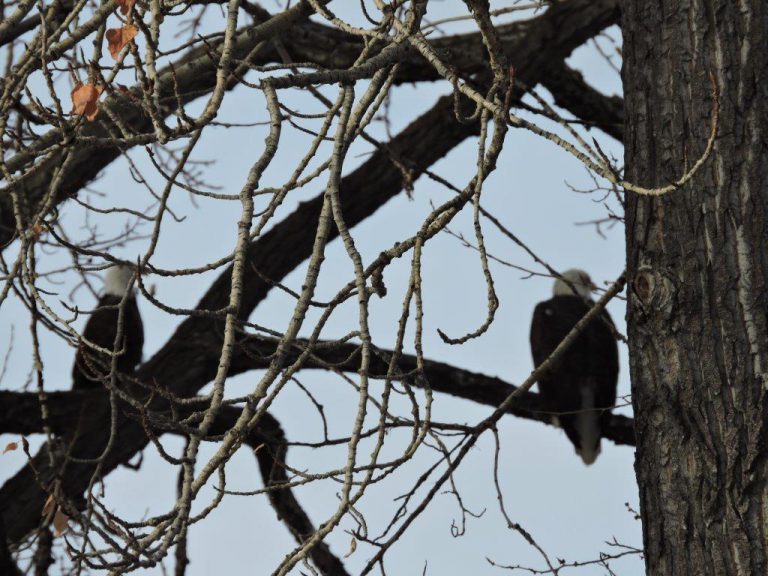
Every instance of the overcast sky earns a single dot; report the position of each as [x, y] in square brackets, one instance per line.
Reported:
[571, 509]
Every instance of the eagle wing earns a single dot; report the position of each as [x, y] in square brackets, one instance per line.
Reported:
[101, 329]
[592, 358]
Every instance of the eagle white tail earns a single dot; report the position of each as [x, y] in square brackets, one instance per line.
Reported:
[588, 426]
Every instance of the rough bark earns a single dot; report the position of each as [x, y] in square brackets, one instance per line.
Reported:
[698, 261]
[268, 443]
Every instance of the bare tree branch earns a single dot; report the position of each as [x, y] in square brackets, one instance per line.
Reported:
[268, 442]
[533, 47]
[593, 109]
[20, 414]
[182, 367]
[20, 411]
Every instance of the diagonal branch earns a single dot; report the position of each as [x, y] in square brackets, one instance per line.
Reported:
[268, 442]
[533, 46]
[20, 414]
[592, 108]
[188, 360]
[192, 76]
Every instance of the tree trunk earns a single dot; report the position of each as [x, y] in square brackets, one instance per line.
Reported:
[698, 267]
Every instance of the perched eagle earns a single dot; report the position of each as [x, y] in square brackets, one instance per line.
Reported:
[580, 390]
[91, 366]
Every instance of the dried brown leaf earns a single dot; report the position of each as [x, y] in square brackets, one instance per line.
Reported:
[85, 100]
[10, 447]
[352, 547]
[48, 506]
[118, 38]
[60, 522]
[125, 6]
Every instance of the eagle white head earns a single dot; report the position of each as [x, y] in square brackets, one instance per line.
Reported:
[574, 279]
[118, 279]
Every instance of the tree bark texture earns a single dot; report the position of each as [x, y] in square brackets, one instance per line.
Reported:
[698, 263]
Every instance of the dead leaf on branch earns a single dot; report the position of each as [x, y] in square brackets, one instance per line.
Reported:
[125, 6]
[352, 547]
[48, 506]
[118, 38]
[60, 523]
[36, 230]
[60, 518]
[85, 100]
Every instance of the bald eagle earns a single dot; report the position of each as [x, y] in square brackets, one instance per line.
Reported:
[91, 366]
[580, 390]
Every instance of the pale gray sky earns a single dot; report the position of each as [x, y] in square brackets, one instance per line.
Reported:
[569, 508]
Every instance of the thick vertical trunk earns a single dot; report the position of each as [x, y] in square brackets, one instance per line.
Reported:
[698, 269]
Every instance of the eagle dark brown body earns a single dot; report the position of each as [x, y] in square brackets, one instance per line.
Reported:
[580, 389]
[91, 366]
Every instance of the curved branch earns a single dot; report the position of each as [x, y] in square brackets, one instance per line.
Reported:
[269, 445]
[20, 414]
[188, 360]
[440, 377]
[533, 46]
